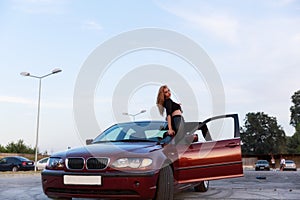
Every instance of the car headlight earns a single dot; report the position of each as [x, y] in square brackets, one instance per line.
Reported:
[55, 163]
[132, 163]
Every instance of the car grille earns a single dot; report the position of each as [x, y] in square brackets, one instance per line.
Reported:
[91, 163]
[96, 163]
[75, 163]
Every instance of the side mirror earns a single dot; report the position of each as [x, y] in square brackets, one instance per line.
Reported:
[195, 139]
[88, 141]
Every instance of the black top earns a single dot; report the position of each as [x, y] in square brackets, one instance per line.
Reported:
[171, 106]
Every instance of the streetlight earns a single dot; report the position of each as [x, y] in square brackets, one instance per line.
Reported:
[54, 71]
[133, 115]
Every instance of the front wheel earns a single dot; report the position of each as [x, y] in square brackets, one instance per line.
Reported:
[165, 184]
[202, 187]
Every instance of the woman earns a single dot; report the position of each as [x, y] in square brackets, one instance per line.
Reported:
[282, 163]
[174, 114]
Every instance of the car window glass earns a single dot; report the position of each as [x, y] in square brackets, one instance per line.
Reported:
[44, 160]
[3, 160]
[155, 133]
[137, 130]
[23, 159]
[113, 134]
[129, 134]
[221, 129]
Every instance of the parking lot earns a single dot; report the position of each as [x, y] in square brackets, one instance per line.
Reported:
[254, 185]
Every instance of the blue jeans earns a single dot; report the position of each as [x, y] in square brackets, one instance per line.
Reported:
[178, 127]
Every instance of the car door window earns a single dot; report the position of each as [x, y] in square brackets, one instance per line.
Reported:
[219, 129]
[45, 160]
[12, 160]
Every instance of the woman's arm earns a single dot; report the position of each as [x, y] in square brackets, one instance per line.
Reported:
[170, 131]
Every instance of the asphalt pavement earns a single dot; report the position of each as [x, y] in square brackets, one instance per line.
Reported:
[254, 185]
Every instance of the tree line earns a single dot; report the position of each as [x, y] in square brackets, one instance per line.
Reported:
[261, 133]
[17, 147]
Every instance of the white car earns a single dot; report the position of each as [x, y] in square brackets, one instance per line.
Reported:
[290, 165]
[41, 164]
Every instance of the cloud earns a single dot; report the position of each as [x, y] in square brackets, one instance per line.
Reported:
[91, 25]
[200, 16]
[21, 100]
[11, 99]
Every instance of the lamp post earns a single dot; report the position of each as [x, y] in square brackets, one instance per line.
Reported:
[133, 115]
[54, 71]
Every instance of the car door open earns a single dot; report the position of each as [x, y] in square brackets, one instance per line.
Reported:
[216, 154]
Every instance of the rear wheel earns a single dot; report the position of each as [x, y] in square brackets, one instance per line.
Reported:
[202, 187]
[14, 169]
[165, 184]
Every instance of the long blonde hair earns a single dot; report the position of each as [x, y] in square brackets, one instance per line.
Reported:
[161, 99]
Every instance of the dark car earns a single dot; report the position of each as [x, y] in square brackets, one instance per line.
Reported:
[130, 161]
[16, 163]
[262, 165]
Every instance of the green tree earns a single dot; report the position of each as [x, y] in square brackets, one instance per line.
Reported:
[262, 135]
[2, 149]
[293, 143]
[18, 147]
[295, 109]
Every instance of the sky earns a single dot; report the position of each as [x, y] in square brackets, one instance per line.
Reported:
[253, 46]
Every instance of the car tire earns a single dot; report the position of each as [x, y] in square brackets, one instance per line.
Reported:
[14, 169]
[202, 187]
[165, 184]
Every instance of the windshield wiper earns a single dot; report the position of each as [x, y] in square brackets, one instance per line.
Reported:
[102, 141]
[135, 140]
[125, 140]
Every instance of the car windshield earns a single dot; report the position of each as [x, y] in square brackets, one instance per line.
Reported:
[289, 162]
[262, 162]
[133, 131]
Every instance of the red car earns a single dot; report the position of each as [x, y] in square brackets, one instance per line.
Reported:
[129, 161]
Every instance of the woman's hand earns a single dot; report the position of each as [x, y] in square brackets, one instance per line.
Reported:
[171, 132]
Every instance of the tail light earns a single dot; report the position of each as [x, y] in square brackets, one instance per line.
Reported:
[24, 163]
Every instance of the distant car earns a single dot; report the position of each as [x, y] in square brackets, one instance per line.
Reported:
[131, 161]
[41, 164]
[16, 163]
[262, 165]
[290, 165]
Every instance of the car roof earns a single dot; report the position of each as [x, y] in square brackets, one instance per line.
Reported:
[18, 157]
[14, 157]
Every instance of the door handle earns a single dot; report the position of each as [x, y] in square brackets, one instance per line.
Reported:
[232, 144]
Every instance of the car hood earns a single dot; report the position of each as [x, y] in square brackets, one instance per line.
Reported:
[110, 149]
